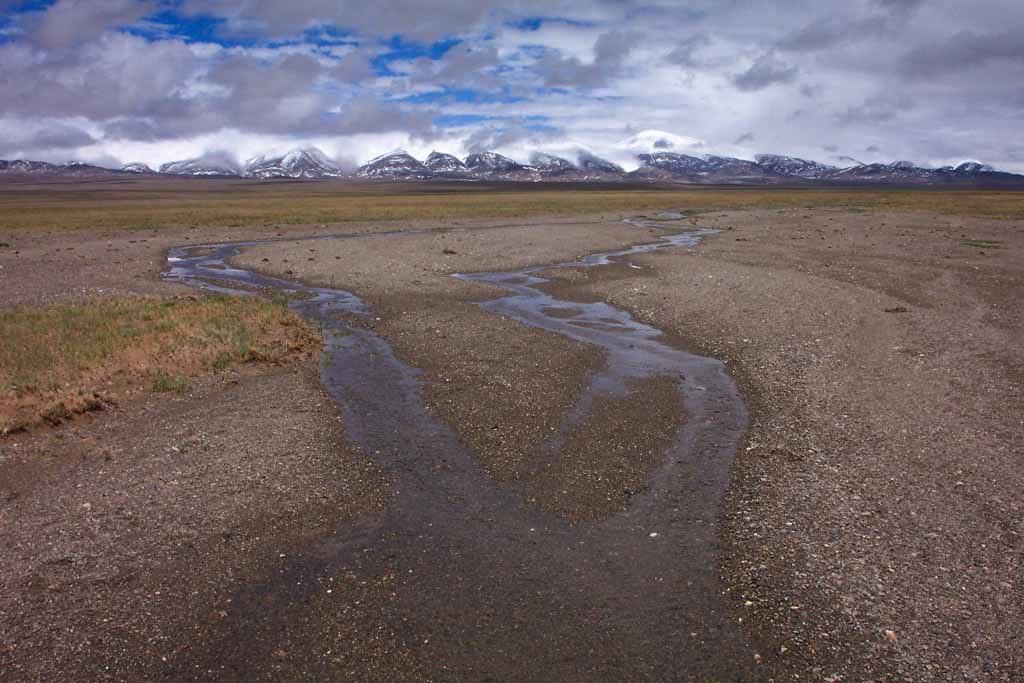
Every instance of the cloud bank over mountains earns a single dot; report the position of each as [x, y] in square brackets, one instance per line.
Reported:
[112, 82]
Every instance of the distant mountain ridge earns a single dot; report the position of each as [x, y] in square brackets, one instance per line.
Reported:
[308, 162]
[657, 166]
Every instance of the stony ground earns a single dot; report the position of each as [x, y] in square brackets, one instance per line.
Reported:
[125, 538]
[504, 386]
[875, 518]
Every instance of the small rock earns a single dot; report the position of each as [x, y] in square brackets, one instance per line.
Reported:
[890, 635]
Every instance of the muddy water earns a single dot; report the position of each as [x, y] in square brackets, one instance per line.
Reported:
[491, 587]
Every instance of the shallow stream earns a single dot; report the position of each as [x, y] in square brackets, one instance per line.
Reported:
[511, 591]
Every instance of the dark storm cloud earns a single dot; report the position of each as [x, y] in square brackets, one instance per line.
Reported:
[811, 90]
[56, 137]
[148, 90]
[610, 52]
[684, 53]
[370, 115]
[826, 33]
[461, 65]
[353, 68]
[413, 19]
[73, 22]
[876, 110]
[116, 75]
[490, 138]
[132, 129]
[964, 50]
[767, 70]
[900, 5]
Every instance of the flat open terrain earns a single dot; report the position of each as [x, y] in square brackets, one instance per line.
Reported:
[34, 204]
[871, 526]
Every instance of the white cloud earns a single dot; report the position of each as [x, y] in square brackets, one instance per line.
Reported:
[807, 78]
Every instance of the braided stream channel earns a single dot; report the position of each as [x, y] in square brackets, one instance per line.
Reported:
[502, 589]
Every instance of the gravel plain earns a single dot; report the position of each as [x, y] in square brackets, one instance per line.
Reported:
[875, 522]
[873, 528]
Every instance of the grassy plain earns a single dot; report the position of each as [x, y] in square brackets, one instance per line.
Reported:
[146, 203]
[64, 359]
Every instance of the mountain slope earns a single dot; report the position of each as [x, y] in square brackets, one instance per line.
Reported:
[398, 165]
[446, 165]
[662, 166]
[207, 165]
[307, 162]
[793, 167]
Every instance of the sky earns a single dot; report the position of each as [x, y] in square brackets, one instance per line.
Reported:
[116, 81]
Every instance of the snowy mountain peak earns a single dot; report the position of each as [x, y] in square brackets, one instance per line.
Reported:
[491, 162]
[398, 164]
[207, 165]
[137, 168]
[392, 153]
[549, 164]
[673, 163]
[776, 164]
[444, 164]
[974, 167]
[591, 163]
[307, 162]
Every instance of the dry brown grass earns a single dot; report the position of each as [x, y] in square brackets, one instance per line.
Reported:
[168, 202]
[57, 361]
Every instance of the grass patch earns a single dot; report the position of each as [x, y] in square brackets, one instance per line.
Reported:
[57, 361]
[982, 244]
[177, 203]
[163, 382]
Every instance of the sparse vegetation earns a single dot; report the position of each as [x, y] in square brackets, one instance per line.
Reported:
[163, 382]
[60, 360]
[981, 244]
[165, 203]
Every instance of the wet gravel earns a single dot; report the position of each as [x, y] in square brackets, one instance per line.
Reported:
[872, 530]
[875, 525]
[125, 538]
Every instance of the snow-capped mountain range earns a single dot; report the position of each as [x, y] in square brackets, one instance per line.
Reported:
[658, 166]
[308, 162]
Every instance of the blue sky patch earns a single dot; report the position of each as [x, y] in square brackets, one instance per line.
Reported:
[400, 51]
[536, 22]
[459, 96]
